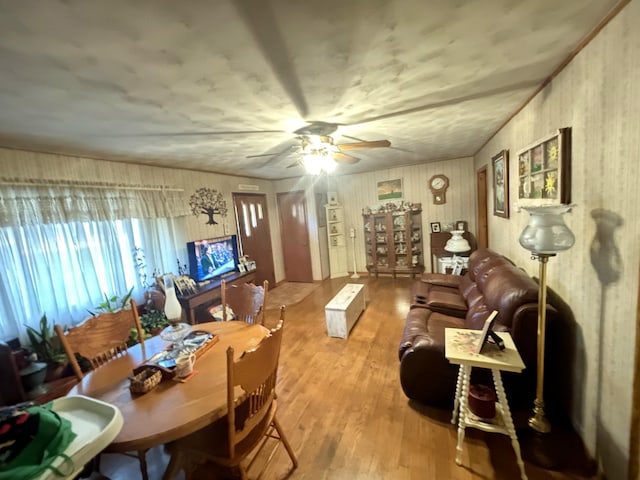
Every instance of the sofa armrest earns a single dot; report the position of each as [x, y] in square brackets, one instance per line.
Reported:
[524, 330]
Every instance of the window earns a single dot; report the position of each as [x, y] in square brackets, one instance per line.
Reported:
[64, 269]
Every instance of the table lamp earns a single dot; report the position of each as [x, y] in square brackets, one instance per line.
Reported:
[457, 244]
[544, 236]
[176, 330]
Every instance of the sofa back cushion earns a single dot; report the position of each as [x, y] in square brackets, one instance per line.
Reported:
[504, 288]
[483, 259]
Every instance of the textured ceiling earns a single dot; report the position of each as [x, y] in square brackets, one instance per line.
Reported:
[202, 84]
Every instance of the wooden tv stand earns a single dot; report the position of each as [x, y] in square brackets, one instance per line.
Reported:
[196, 305]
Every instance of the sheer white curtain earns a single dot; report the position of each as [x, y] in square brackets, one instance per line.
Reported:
[64, 270]
[63, 248]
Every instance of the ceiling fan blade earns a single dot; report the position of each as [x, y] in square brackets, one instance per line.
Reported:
[344, 158]
[263, 155]
[277, 156]
[358, 145]
[317, 128]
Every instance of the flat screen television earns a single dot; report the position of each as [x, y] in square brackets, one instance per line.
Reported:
[212, 257]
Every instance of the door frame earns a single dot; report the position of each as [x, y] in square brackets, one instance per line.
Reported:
[482, 208]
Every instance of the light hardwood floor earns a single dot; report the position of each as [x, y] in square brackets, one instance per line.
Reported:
[344, 412]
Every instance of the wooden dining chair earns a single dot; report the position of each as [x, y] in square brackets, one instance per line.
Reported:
[247, 301]
[98, 340]
[251, 418]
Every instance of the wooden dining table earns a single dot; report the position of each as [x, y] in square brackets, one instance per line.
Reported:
[173, 409]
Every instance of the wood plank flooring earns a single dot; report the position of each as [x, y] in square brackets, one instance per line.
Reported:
[344, 412]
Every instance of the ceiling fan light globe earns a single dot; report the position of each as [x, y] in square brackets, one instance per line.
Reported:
[311, 164]
[328, 164]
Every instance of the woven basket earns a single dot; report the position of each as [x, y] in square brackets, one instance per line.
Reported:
[145, 381]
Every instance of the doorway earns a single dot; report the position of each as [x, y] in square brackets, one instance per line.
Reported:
[255, 234]
[483, 223]
[294, 231]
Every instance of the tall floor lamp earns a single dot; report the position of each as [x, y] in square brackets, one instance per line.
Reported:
[544, 236]
[352, 234]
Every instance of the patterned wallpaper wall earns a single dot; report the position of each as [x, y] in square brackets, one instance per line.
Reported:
[598, 95]
[358, 191]
[24, 164]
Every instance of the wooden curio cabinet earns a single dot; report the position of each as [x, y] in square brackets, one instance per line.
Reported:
[393, 242]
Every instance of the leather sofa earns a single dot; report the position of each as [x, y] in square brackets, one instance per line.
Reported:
[438, 301]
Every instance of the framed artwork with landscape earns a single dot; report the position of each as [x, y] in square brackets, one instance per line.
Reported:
[544, 170]
[500, 164]
[390, 189]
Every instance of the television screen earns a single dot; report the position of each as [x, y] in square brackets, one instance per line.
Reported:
[212, 257]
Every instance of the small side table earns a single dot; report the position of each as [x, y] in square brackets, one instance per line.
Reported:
[459, 349]
[456, 264]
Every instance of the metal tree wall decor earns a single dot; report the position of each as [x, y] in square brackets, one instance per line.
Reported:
[208, 201]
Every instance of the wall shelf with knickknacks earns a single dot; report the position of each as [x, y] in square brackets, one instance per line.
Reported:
[337, 241]
[393, 241]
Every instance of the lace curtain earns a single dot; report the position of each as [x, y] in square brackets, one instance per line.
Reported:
[64, 247]
[33, 202]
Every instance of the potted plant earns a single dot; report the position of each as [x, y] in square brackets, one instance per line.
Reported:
[153, 321]
[112, 304]
[46, 346]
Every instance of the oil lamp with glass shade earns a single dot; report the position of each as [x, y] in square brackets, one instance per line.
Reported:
[177, 330]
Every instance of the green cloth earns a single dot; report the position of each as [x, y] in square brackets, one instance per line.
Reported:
[52, 438]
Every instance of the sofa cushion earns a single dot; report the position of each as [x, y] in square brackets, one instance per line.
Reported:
[447, 301]
[505, 288]
[466, 284]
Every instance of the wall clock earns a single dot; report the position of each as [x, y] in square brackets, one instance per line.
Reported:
[438, 185]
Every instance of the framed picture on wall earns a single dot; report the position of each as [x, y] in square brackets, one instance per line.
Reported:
[544, 170]
[435, 227]
[389, 189]
[461, 225]
[501, 184]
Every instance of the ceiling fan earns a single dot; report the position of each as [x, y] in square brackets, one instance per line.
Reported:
[315, 140]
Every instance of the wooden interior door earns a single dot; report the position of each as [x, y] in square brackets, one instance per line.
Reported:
[483, 223]
[294, 231]
[254, 234]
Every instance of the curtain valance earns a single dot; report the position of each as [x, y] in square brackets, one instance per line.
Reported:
[28, 201]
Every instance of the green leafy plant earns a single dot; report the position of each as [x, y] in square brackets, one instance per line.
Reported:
[153, 320]
[45, 344]
[150, 322]
[112, 304]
